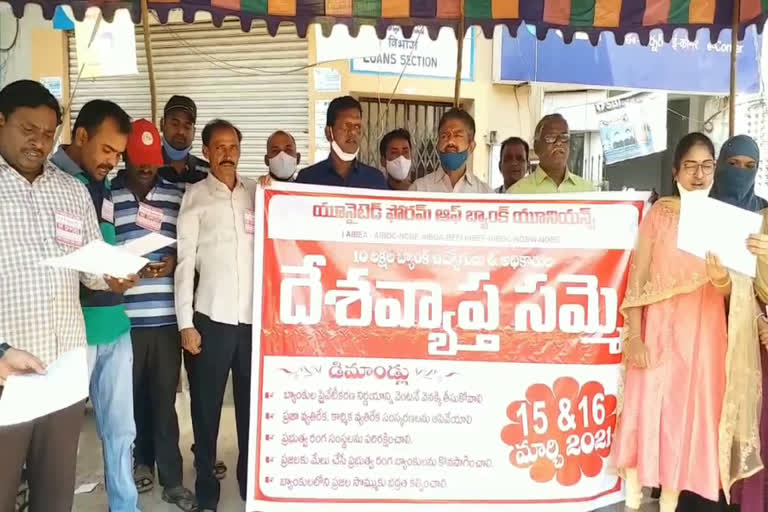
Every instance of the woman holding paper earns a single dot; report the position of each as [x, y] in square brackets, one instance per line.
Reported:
[675, 344]
[735, 184]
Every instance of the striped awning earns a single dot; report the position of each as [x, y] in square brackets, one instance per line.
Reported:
[620, 17]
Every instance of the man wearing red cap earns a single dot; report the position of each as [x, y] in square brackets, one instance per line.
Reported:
[146, 203]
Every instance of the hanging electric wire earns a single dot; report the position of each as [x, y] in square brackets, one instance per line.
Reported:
[15, 38]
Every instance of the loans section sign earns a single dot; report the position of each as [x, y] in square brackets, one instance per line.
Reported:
[423, 351]
[419, 56]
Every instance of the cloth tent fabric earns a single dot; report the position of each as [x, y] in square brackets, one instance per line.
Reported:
[620, 17]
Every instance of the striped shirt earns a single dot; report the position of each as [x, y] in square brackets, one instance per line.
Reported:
[150, 303]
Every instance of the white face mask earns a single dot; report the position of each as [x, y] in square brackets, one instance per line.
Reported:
[699, 192]
[346, 157]
[399, 168]
[282, 166]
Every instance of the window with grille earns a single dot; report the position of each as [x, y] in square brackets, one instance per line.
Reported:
[419, 118]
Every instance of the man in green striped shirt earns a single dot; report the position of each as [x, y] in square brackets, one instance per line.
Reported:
[99, 139]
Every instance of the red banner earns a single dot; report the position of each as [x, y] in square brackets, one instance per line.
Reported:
[418, 350]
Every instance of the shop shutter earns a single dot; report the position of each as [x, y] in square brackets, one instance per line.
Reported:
[258, 82]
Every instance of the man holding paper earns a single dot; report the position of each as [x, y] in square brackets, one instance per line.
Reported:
[99, 138]
[44, 213]
[215, 236]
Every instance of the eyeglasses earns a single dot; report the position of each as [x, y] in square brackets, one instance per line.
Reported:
[551, 139]
[707, 167]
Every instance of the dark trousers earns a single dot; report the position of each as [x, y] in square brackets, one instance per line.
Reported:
[48, 445]
[156, 368]
[690, 502]
[224, 348]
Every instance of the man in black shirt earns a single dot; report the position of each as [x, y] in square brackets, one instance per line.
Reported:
[178, 126]
[342, 168]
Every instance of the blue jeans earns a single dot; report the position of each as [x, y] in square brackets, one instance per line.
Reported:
[112, 397]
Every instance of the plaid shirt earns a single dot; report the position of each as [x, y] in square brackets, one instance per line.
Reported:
[40, 306]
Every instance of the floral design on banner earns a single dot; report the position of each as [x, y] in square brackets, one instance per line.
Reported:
[563, 431]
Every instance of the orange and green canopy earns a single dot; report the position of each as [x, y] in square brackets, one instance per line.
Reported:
[591, 16]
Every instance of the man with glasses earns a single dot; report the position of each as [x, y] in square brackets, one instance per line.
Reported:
[551, 144]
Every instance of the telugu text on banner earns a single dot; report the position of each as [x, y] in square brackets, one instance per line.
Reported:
[417, 350]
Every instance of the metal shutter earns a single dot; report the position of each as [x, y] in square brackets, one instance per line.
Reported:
[233, 75]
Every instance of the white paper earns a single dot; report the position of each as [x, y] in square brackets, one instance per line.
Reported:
[327, 80]
[707, 224]
[322, 146]
[86, 488]
[147, 244]
[106, 49]
[99, 258]
[53, 84]
[26, 397]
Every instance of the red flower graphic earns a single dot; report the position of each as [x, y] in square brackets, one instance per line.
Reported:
[562, 431]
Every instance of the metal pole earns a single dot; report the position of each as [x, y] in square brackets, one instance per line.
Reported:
[459, 55]
[734, 68]
[148, 50]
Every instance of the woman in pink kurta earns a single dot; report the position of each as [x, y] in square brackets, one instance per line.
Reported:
[675, 346]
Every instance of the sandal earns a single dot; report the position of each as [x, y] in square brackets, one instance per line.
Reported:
[144, 478]
[181, 497]
[22, 498]
[219, 469]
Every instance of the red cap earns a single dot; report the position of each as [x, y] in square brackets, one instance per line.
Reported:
[144, 146]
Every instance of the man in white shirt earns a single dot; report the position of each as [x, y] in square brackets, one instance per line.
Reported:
[215, 236]
[456, 142]
[44, 213]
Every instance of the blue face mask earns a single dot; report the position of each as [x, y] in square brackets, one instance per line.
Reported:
[736, 186]
[453, 161]
[176, 155]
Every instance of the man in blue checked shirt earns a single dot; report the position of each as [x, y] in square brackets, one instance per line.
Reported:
[144, 203]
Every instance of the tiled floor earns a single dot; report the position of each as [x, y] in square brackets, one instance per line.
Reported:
[90, 467]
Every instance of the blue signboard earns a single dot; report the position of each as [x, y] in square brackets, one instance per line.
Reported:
[681, 65]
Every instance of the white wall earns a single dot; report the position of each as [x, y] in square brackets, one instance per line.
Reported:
[578, 108]
[16, 64]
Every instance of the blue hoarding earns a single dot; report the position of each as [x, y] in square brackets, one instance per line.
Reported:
[681, 65]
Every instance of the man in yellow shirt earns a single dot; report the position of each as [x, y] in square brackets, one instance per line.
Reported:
[552, 144]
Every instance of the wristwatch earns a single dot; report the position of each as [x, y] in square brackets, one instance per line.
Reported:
[3, 349]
